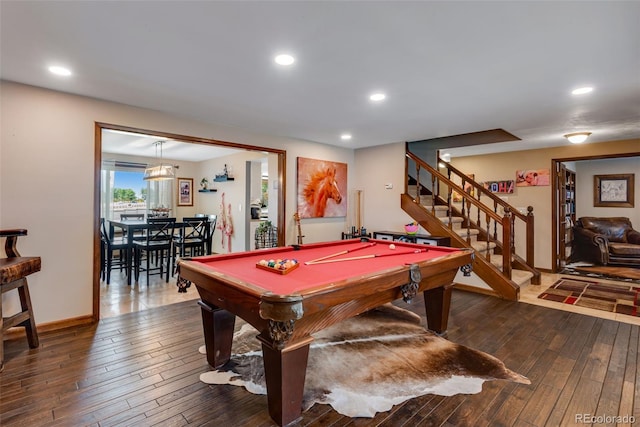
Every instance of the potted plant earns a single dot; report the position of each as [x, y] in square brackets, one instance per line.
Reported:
[204, 183]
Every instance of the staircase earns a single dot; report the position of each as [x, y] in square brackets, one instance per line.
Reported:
[480, 221]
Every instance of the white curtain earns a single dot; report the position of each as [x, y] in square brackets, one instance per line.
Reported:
[106, 190]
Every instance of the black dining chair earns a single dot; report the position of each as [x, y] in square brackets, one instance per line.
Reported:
[212, 228]
[136, 217]
[109, 246]
[192, 238]
[158, 242]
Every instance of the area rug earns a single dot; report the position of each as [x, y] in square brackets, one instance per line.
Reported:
[622, 298]
[371, 362]
[622, 274]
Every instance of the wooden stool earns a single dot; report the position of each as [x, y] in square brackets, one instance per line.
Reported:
[13, 273]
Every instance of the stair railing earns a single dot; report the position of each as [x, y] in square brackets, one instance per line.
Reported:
[485, 204]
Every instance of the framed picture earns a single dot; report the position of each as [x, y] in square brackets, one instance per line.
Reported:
[613, 191]
[532, 177]
[185, 191]
[322, 188]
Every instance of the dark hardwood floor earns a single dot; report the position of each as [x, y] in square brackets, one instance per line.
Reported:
[142, 369]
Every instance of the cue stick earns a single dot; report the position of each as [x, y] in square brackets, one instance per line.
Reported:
[415, 251]
[346, 251]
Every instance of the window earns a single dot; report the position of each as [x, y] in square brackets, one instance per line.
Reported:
[125, 191]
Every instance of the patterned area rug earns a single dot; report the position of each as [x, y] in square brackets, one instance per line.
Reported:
[371, 362]
[623, 299]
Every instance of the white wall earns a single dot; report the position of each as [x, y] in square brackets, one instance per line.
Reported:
[585, 187]
[47, 151]
[377, 167]
[234, 194]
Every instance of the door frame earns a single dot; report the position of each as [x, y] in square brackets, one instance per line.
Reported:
[555, 208]
[100, 126]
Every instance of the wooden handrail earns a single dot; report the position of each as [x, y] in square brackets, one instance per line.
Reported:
[507, 221]
[453, 186]
[481, 190]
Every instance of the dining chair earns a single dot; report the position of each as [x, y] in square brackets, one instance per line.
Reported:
[134, 217]
[212, 228]
[109, 246]
[158, 241]
[192, 238]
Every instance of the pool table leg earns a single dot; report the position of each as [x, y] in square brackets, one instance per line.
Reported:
[437, 302]
[285, 372]
[218, 327]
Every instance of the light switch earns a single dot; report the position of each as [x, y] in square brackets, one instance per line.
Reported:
[388, 186]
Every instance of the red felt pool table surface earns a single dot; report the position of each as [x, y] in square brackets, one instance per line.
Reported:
[305, 278]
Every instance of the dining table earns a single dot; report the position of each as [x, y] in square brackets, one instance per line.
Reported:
[130, 227]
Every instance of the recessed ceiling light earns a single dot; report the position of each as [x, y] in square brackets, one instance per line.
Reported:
[345, 136]
[379, 96]
[582, 90]
[60, 71]
[284, 59]
[577, 137]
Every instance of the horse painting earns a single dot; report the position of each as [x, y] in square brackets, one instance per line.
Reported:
[321, 189]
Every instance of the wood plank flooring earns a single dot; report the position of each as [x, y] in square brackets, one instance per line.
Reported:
[142, 369]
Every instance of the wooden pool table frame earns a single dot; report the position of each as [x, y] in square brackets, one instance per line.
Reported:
[286, 322]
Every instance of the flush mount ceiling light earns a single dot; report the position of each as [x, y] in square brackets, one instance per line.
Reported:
[345, 136]
[160, 172]
[378, 96]
[577, 137]
[582, 90]
[59, 71]
[284, 59]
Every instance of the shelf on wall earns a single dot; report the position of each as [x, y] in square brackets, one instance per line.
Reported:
[222, 178]
[210, 190]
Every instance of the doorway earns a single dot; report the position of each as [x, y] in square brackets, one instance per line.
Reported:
[561, 202]
[277, 211]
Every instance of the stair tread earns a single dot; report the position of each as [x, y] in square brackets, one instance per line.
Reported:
[454, 219]
[521, 277]
[482, 246]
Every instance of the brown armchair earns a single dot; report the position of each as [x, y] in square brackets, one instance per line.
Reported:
[606, 241]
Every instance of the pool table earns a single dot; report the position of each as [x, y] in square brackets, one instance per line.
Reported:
[287, 308]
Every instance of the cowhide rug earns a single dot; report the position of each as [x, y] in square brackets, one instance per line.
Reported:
[369, 363]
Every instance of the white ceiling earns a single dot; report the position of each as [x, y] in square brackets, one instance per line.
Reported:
[447, 67]
[145, 146]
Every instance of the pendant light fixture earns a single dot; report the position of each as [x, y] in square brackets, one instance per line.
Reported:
[160, 172]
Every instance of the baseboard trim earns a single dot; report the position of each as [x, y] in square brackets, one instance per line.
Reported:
[19, 331]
